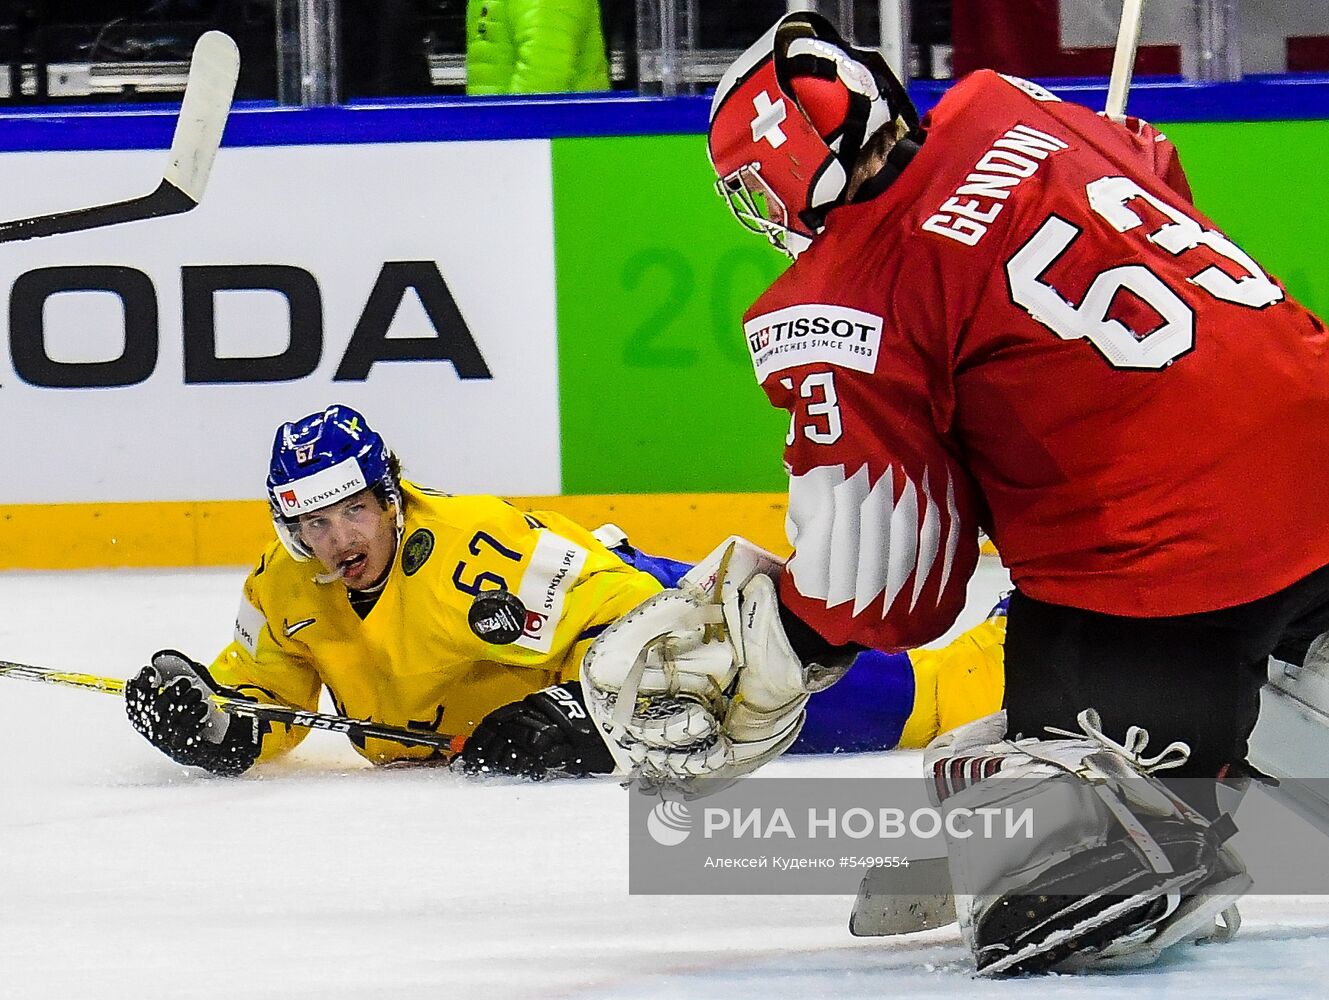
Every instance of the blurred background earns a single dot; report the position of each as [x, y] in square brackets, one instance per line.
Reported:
[334, 51]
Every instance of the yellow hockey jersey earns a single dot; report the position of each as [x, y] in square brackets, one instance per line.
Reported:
[958, 683]
[414, 660]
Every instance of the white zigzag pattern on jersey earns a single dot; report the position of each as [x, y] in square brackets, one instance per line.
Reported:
[855, 542]
[952, 536]
[929, 541]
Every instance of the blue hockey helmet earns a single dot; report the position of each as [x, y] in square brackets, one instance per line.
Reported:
[321, 460]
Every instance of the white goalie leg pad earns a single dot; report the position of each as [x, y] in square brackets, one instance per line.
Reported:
[1114, 868]
[695, 687]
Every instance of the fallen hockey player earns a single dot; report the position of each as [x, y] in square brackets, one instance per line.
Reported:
[467, 616]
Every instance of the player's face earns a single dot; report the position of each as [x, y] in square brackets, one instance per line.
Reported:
[354, 539]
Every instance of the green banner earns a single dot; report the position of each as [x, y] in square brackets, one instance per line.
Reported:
[1261, 182]
[656, 388]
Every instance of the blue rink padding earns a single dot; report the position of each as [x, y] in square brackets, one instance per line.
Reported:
[864, 711]
[1258, 97]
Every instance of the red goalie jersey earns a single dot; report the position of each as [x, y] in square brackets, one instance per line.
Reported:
[1034, 332]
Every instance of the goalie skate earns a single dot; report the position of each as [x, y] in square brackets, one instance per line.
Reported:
[1053, 920]
[1118, 870]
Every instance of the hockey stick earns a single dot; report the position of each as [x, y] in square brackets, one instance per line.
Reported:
[903, 900]
[1123, 59]
[357, 729]
[89, 682]
[198, 131]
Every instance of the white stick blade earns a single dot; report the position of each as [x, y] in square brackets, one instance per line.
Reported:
[207, 102]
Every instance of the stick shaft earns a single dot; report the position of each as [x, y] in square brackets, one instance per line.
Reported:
[43, 675]
[1123, 59]
[358, 729]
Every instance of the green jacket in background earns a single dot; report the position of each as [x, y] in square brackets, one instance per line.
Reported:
[534, 47]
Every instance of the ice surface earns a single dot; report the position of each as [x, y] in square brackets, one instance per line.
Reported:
[123, 875]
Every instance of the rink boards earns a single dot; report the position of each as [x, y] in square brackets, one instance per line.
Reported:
[536, 299]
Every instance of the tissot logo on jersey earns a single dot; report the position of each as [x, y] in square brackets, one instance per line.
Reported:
[813, 334]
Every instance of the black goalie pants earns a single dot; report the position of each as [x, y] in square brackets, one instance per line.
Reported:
[1194, 678]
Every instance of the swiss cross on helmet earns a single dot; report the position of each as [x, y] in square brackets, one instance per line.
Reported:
[322, 459]
[789, 120]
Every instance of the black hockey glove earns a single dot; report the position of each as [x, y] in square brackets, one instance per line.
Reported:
[168, 703]
[549, 732]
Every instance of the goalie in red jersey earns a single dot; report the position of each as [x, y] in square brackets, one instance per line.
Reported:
[1007, 317]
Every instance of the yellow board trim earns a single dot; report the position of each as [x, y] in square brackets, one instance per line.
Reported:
[233, 532]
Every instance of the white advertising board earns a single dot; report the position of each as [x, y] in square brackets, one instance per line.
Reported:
[413, 281]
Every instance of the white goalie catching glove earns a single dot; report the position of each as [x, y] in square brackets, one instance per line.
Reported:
[699, 685]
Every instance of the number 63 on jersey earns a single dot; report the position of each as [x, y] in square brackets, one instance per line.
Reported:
[1110, 198]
